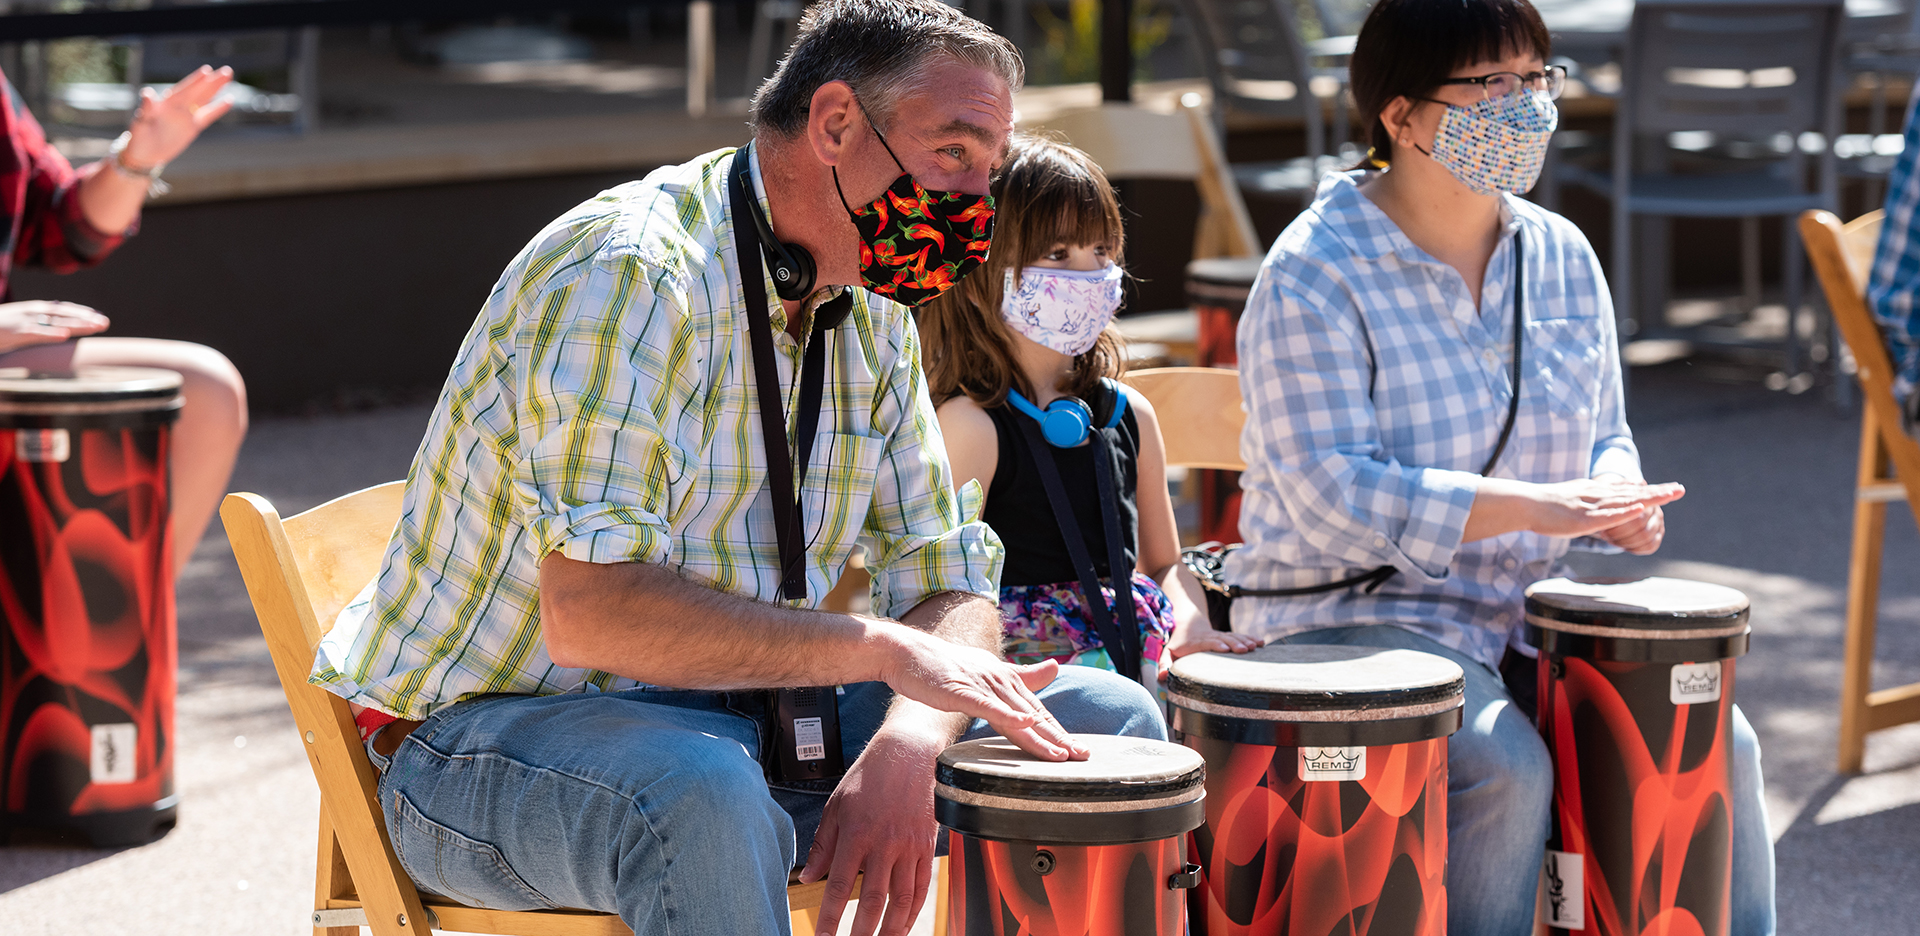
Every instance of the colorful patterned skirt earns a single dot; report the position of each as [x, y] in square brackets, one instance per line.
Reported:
[1052, 622]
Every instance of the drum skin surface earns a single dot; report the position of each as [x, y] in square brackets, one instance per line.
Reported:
[87, 629]
[1092, 890]
[1641, 789]
[1288, 856]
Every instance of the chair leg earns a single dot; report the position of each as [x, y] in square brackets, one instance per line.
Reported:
[330, 877]
[1863, 604]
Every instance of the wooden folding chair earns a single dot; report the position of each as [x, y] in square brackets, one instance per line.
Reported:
[300, 573]
[1200, 414]
[1889, 471]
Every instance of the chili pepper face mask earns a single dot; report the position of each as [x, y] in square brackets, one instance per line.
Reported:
[914, 243]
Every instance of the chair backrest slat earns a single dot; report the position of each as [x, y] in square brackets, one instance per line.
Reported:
[1199, 412]
[1751, 70]
[1253, 55]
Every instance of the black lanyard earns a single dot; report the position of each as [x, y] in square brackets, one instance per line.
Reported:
[1374, 578]
[781, 474]
[1122, 640]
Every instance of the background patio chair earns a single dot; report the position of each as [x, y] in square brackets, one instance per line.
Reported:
[299, 573]
[1889, 471]
[1258, 66]
[1732, 94]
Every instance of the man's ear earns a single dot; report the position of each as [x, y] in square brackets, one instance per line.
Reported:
[831, 118]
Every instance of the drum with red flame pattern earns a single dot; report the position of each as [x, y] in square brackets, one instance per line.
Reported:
[86, 602]
[1072, 848]
[1636, 706]
[1326, 788]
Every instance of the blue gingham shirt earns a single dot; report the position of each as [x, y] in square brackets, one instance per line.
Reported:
[1353, 465]
[1893, 286]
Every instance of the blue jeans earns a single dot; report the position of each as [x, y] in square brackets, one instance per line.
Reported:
[1500, 789]
[648, 804]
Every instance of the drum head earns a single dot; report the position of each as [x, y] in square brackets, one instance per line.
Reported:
[32, 399]
[1127, 790]
[1307, 682]
[1647, 620]
[1652, 603]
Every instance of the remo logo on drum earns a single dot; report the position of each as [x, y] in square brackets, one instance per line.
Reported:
[1695, 682]
[1333, 763]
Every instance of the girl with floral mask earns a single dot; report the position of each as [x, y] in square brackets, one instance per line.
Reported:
[1433, 393]
[1030, 333]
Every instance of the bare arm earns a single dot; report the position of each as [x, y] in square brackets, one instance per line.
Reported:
[646, 623]
[973, 447]
[1569, 508]
[1160, 547]
[164, 126]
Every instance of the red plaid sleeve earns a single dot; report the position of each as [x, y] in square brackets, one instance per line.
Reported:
[53, 231]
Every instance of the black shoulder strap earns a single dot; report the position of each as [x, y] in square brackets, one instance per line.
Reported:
[781, 476]
[1374, 578]
[1122, 642]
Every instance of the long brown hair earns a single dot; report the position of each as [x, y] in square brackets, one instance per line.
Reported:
[1048, 193]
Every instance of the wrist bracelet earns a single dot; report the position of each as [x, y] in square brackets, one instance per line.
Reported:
[151, 175]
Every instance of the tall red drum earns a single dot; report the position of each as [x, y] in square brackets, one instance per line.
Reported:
[1636, 706]
[1071, 848]
[1217, 289]
[87, 647]
[1326, 788]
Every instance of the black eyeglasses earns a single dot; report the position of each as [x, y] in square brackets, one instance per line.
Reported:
[1500, 84]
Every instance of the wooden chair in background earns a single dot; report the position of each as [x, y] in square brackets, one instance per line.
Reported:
[300, 573]
[1889, 471]
[1200, 419]
[1200, 414]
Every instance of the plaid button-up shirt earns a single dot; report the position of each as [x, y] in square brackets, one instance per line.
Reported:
[41, 220]
[1375, 392]
[1893, 285]
[603, 407]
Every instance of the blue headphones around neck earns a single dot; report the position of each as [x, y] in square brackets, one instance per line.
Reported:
[1065, 421]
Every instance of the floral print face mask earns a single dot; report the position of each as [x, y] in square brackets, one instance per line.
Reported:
[1498, 144]
[1065, 310]
[916, 244]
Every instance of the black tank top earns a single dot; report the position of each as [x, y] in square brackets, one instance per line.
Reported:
[1017, 507]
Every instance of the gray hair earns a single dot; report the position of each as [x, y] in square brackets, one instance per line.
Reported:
[882, 49]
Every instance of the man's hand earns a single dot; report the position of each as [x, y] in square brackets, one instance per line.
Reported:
[38, 321]
[879, 822]
[973, 682]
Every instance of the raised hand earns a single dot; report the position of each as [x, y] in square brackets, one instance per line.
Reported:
[169, 121]
[40, 321]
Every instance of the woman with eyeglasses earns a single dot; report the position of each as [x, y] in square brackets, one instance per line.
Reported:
[1397, 487]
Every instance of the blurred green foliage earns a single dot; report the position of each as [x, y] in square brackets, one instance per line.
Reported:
[1070, 47]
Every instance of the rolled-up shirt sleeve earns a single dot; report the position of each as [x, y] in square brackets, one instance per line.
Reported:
[926, 538]
[54, 231]
[1311, 422]
[598, 473]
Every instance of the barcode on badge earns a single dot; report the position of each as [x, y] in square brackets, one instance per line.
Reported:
[809, 742]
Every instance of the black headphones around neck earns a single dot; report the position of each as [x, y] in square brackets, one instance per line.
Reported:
[792, 266]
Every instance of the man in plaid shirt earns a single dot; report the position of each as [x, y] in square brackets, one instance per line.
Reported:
[584, 584]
